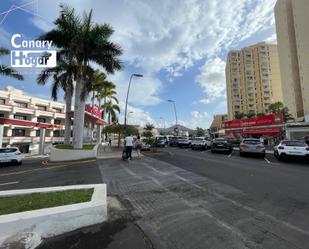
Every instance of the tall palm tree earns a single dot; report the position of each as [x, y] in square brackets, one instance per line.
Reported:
[7, 71]
[87, 42]
[63, 76]
[111, 110]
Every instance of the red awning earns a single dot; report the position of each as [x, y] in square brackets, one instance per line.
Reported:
[24, 123]
[264, 131]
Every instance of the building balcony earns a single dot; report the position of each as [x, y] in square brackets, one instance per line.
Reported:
[23, 110]
[6, 108]
[44, 113]
[59, 115]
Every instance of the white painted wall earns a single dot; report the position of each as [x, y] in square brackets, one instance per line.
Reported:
[57, 155]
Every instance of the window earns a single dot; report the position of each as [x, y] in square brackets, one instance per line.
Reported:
[2, 101]
[57, 121]
[20, 117]
[41, 107]
[57, 133]
[37, 133]
[18, 133]
[41, 120]
[1, 115]
[21, 104]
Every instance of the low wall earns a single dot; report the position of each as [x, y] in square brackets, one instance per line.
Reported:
[32, 226]
[57, 155]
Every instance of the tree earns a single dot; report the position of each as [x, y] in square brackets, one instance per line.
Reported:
[148, 130]
[111, 110]
[7, 71]
[240, 115]
[87, 43]
[286, 115]
[121, 131]
[63, 76]
[251, 115]
[260, 114]
[276, 107]
[200, 132]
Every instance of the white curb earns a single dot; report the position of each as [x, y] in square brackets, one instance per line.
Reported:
[48, 222]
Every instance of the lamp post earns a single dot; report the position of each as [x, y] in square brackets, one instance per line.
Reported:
[128, 116]
[125, 111]
[173, 101]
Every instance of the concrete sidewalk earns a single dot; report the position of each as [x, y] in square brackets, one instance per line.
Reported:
[107, 152]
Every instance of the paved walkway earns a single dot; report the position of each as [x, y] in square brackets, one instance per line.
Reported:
[107, 152]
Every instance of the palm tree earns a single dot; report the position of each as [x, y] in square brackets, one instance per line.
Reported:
[86, 42]
[7, 71]
[111, 110]
[63, 76]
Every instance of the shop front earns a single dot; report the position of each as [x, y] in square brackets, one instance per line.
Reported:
[268, 127]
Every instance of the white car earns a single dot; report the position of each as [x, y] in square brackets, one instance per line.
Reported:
[11, 155]
[291, 148]
[200, 143]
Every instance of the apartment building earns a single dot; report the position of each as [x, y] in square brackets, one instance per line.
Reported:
[253, 79]
[292, 18]
[23, 118]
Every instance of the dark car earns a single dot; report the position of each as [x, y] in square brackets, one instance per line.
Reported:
[221, 144]
[173, 141]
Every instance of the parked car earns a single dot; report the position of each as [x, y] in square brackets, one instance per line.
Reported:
[145, 146]
[11, 155]
[173, 141]
[221, 144]
[291, 148]
[184, 142]
[200, 143]
[234, 141]
[160, 141]
[251, 146]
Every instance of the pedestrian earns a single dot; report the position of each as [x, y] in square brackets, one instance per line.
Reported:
[138, 146]
[110, 142]
[129, 145]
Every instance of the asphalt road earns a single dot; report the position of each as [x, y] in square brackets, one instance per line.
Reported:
[184, 199]
[33, 173]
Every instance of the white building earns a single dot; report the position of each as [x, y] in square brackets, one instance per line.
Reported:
[26, 120]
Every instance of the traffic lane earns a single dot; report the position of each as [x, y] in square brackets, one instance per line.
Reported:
[63, 174]
[26, 165]
[278, 190]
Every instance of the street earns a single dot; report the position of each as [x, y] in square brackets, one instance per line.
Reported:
[180, 198]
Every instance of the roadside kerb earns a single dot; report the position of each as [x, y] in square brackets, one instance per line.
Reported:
[43, 223]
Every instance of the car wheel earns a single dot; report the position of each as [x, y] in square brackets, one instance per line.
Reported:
[263, 155]
[241, 153]
[20, 163]
[212, 151]
[192, 148]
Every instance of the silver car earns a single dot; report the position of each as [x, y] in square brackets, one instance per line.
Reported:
[251, 146]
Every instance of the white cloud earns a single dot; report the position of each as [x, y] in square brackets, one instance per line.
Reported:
[271, 39]
[212, 80]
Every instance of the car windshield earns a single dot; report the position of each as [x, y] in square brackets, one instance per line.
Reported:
[198, 139]
[294, 143]
[251, 142]
[220, 140]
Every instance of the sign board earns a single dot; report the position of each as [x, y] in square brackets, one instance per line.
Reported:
[271, 119]
[95, 110]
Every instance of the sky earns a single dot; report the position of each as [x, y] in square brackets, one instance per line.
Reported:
[180, 47]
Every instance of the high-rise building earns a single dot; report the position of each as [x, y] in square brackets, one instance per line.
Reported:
[292, 18]
[252, 79]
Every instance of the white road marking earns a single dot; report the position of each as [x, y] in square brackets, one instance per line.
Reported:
[230, 155]
[8, 183]
[266, 160]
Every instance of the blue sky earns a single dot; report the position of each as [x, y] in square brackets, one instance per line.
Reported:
[179, 46]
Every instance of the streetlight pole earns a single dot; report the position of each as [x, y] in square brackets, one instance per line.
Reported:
[128, 116]
[126, 106]
[173, 101]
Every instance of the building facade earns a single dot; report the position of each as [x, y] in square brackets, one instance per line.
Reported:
[253, 79]
[292, 18]
[23, 118]
[216, 127]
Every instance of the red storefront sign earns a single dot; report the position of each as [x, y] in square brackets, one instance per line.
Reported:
[264, 131]
[271, 119]
[95, 110]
